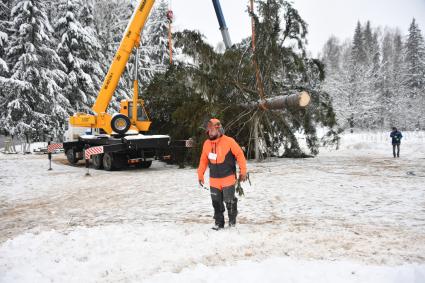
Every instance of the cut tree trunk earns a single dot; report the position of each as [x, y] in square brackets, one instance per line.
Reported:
[292, 101]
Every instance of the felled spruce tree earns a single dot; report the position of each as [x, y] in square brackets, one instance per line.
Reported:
[207, 84]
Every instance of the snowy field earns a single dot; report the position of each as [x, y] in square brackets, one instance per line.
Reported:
[353, 215]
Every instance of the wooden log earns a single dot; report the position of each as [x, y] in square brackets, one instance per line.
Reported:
[293, 101]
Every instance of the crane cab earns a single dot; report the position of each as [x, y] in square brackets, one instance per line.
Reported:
[138, 117]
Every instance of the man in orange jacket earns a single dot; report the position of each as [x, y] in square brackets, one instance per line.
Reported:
[220, 154]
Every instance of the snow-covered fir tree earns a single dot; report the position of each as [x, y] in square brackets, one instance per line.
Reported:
[4, 69]
[155, 35]
[392, 89]
[415, 74]
[96, 61]
[4, 27]
[371, 46]
[110, 19]
[86, 14]
[358, 49]
[331, 55]
[335, 56]
[356, 82]
[4, 30]
[35, 105]
[374, 74]
[399, 89]
[81, 53]
[415, 57]
[387, 86]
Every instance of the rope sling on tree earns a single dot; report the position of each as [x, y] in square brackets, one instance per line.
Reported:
[259, 81]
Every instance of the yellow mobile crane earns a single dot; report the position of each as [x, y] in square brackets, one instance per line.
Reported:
[132, 114]
[119, 134]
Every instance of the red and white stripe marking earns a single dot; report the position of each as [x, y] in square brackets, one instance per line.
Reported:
[93, 151]
[54, 146]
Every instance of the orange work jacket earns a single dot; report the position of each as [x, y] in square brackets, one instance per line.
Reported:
[220, 156]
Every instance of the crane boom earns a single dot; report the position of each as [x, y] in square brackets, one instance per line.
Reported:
[130, 40]
[223, 27]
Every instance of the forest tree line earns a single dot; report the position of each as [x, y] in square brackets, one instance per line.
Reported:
[377, 79]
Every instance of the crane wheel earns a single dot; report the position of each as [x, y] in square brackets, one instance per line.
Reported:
[108, 161]
[97, 161]
[120, 124]
[71, 156]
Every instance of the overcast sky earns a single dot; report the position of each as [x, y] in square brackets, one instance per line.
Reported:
[324, 17]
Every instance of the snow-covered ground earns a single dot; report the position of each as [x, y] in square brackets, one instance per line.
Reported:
[353, 215]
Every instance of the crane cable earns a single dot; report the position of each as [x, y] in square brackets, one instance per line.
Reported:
[259, 81]
[170, 17]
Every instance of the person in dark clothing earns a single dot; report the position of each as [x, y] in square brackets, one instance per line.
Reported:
[396, 140]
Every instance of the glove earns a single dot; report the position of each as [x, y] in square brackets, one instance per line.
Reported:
[201, 183]
[243, 177]
[239, 189]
